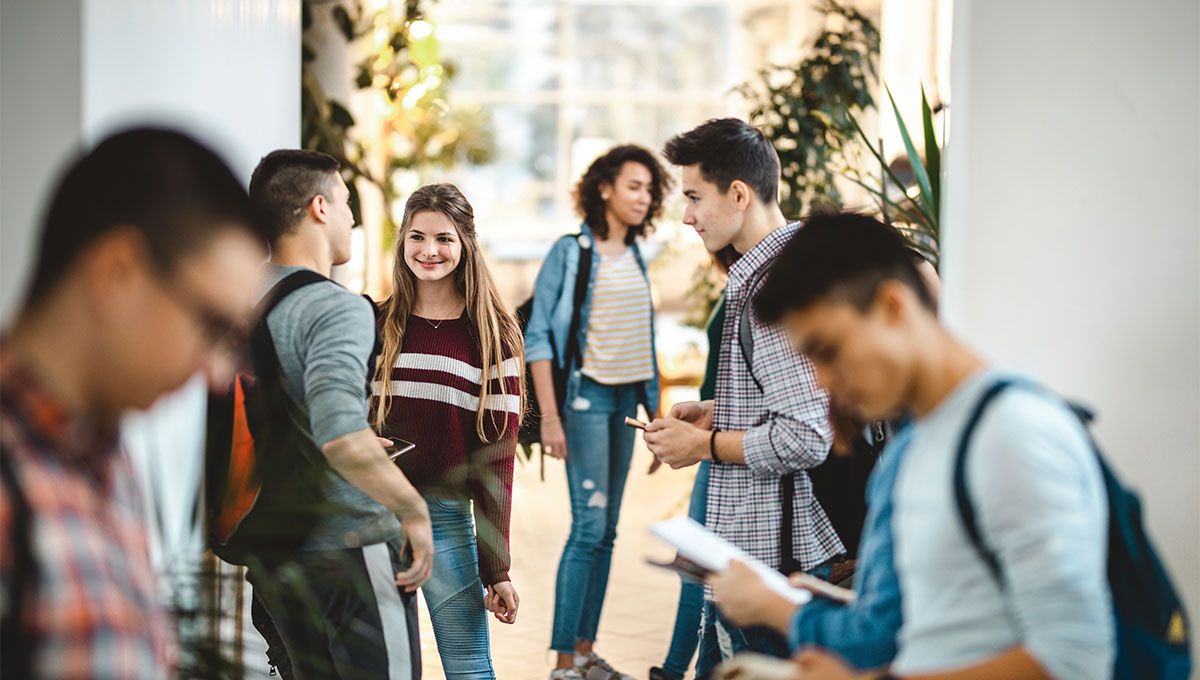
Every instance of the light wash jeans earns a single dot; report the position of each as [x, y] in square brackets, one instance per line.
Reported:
[454, 593]
[599, 450]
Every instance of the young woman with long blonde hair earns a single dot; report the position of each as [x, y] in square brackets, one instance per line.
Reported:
[450, 380]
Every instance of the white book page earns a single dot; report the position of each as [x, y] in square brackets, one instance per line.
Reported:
[698, 544]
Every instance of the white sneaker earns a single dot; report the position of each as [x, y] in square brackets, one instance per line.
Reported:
[598, 669]
[566, 674]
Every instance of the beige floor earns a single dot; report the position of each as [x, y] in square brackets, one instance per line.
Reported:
[639, 612]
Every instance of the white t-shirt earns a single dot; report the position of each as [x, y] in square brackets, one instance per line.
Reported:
[1040, 502]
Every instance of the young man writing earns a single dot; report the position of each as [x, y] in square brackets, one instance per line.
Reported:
[849, 297]
[342, 600]
[149, 255]
[768, 423]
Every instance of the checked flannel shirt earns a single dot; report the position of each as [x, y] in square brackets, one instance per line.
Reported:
[786, 424]
[91, 609]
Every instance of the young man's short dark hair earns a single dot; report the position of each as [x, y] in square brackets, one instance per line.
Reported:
[843, 256]
[285, 181]
[727, 149]
[166, 185]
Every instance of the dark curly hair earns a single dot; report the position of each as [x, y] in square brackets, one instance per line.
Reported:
[604, 170]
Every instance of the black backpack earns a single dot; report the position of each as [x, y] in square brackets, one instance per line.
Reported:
[839, 484]
[1151, 628]
[530, 432]
[259, 456]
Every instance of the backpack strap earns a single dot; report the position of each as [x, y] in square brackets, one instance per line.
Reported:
[263, 356]
[787, 483]
[583, 276]
[962, 499]
[377, 350]
[13, 634]
[745, 334]
[966, 510]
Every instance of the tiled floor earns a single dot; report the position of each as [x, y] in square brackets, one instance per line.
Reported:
[639, 612]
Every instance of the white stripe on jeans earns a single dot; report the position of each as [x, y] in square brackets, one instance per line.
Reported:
[391, 610]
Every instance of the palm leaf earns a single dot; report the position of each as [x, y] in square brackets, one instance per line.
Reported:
[928, 217]
[933, 157]
[914, 158]
[916, 217]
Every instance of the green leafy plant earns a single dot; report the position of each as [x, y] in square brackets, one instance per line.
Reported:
[403, 65]
[916, 211]
[807, 109]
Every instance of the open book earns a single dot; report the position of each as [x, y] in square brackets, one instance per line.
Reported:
[711, 553]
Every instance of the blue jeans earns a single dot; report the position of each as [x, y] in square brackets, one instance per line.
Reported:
[691, 595]
[454, 593]
[724, 639]
[599, 450]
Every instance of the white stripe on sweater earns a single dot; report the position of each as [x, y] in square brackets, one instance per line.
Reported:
[438, 362]
[451, 395]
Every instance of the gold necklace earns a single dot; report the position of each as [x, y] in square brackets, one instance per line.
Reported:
[442, 320]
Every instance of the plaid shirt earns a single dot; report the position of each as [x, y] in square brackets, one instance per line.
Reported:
[786, 424]
[90, 609]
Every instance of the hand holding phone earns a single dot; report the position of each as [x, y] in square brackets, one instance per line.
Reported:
[398, 448]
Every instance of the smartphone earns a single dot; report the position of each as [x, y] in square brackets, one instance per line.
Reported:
[687, 569]
[398, 448]
[634, 422]
[822, 588]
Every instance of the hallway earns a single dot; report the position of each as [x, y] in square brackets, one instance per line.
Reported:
[639, 612]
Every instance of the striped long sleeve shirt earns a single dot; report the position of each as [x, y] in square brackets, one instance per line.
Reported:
[435, 396]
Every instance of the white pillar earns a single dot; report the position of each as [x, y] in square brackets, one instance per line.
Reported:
[40, 120]
[1072, 245]
[73, 71]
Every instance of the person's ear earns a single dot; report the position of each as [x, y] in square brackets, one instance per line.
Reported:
[110, 267]
[742, 193]
[318, 208]
[606, 189]
[894, 301]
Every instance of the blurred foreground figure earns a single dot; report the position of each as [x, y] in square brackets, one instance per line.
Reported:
[848, 295]
[148, 260]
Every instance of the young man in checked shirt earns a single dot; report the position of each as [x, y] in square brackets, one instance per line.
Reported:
[767, 421]
[148, 257]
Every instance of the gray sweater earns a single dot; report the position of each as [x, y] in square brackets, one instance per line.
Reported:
[324, 335]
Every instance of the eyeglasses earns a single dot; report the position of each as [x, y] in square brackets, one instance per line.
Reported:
[218, 329]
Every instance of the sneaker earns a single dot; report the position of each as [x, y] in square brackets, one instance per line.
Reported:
[566, 674]
[660, 673]
[598, 669]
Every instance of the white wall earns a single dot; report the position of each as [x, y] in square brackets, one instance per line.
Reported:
[226, 71]
[72, 71]
[1072, 236]
[40, 119]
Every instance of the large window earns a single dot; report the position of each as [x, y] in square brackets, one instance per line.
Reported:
[567, 79]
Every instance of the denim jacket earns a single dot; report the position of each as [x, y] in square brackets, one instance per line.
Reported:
[863, 632]
[550, 319]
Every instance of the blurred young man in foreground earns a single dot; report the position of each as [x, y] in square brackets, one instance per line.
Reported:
[849, 297]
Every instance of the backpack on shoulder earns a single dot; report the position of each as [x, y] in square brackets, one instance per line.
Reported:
[530, 431]
[1151, 628]
[253, 414]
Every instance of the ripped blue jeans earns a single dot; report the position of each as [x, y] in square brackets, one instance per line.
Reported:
[454, 593]
[599, 450]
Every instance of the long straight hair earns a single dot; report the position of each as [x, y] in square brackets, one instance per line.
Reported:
[495, 328]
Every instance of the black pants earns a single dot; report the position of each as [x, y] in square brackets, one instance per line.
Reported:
[340, 614]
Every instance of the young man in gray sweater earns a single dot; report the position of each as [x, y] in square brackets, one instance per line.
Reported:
[341, 600]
